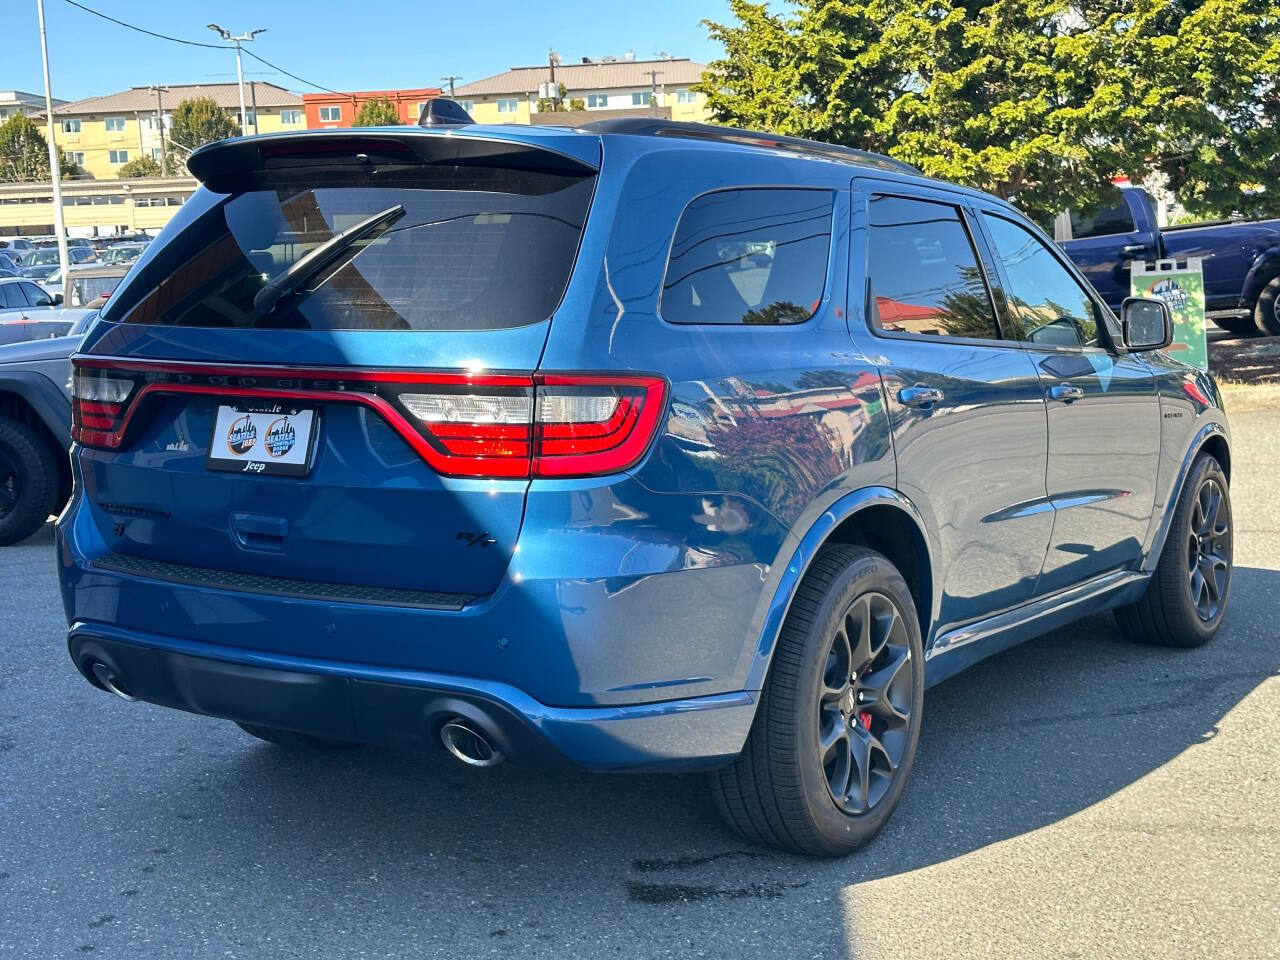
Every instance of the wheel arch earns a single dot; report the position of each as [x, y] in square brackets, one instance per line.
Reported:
[876, 517]
[1211, 438]
[36, 401]
[1265, 269]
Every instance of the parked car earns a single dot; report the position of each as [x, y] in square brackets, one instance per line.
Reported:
[48, 256]
[20, 244]
[1241, 259]
[122, 253]
[655, 446]
[10, 259]
[35, 423]
[92, 284]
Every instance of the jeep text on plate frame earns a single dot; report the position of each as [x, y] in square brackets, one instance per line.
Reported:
[263, 438]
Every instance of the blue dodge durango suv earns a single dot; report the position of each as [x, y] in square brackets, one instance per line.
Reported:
[644, 445]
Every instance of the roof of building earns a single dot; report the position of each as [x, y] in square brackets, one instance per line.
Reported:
[226, 95]
[21, 96]
[587, 76]
[418, 93]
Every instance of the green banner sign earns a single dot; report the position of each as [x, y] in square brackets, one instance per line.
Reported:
[1182, 288]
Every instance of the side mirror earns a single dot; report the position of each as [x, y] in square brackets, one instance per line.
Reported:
[57, 299]
[1146, 323]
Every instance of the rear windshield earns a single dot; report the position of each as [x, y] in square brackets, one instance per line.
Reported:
[494, 250]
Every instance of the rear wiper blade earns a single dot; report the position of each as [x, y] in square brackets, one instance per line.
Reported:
[331, 253]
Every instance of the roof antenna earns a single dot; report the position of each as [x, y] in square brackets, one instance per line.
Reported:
[443, 112]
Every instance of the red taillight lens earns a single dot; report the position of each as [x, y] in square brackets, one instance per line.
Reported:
[588, 426]
[480, 430]
[565, 426]
[98, 405]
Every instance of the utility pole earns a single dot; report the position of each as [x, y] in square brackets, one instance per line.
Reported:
[228, 36]
[164, 154]
[253, 104]
[553, 61]
[55, 173]
[653, 76]
[450, 82]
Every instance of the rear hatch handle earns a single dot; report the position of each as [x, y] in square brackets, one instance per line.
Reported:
[259, 533]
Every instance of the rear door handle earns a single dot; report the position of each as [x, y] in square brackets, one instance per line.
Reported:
[1066, 392]
[919, 396]
[1132, 248]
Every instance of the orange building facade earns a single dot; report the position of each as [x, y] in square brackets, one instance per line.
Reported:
[339, 109]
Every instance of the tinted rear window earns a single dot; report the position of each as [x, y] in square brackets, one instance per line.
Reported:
[1113, 218]
[749, 256]
[489, 251]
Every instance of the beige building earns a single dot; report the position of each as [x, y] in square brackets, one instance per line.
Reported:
[93, 207]
[101, 134]
[614, 87]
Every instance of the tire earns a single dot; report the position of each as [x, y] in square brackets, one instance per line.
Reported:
[1174, 611]
[292, 740]
[1264, 312]
[779, 792]
[1242, 325]
[28, 481]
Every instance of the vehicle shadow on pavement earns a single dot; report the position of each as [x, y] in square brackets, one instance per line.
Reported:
[544, 860]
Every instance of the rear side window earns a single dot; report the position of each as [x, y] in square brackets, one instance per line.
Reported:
[1113, 218]
[923, 273]
[457, 249]
[749, 256]
[11, 295]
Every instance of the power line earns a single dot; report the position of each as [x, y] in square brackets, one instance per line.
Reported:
[294, 76]
[150, 33]
[196, 43]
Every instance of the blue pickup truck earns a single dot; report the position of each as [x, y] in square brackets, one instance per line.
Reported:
[1241, 258]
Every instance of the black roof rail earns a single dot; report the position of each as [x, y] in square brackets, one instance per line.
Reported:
[653, 127]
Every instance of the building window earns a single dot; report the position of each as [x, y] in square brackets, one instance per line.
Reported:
[117, 200]
[467, 105]
[290, 117]
[70, 126]
[330, 114]
[595, 100]
[251, 122]
[508, 105]
[156, 154]
[118, 156]
[686, 96]
[76, 157]
[114, 124]
[4, 113]
[640, 98]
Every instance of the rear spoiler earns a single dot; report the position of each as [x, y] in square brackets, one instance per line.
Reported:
[241, 162]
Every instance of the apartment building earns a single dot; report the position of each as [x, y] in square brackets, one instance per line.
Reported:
[340, 109]
[14, 102]
[101, 134]
[610, 86]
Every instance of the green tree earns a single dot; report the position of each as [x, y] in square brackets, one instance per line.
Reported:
[24, 152]
[195, 123]
[1042, 102]
[378, 112]
[142, 166]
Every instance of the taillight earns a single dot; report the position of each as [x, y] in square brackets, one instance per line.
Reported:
[462, 424]
[98, 407]
[588, 426]
[567, 425]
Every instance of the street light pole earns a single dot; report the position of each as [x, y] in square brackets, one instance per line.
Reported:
[55, 172]
[238, 40]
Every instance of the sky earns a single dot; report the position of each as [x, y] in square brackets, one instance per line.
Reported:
[387, 44]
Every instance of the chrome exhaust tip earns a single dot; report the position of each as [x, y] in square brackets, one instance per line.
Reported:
[109, 681]
[467, 744]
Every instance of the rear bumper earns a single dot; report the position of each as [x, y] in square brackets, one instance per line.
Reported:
[358, 703]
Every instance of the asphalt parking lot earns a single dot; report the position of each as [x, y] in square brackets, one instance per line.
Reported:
[1078, 796]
